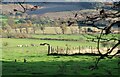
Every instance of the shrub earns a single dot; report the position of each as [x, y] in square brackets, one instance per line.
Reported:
[112, 44]
[7, 35]
[108, 44]
[5, 43]
[22, 35]
[104, 44]
[15, 35]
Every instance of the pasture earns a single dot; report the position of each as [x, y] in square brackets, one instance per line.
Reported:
[33, 60]
[59, 42]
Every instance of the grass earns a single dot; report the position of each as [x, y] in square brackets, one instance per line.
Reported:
[5, 19]
[38, 63]
[78, 37]
[15, 42]
[55, 65]
[37, 50]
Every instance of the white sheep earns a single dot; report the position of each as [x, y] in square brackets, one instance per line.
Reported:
[26, 45]
[19, 45]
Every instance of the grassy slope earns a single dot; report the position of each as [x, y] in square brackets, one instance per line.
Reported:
[80, 36]
[60, 36]
[39, 63]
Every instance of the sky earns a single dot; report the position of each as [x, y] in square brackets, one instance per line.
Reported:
[61, 0]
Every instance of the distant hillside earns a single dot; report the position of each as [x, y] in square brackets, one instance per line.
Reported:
[9, 8]
[63, 6]
[66, 14]
[53, 6]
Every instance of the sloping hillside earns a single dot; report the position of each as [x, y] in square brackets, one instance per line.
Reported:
[9, 8]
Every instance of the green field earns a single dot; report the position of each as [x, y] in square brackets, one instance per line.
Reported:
[76, 38]
[38, 63]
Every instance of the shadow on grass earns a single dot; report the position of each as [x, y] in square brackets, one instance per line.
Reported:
[61, 68]
[76, 54]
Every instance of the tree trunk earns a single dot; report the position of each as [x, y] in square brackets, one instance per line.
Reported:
[56, 30]
[20, 30]
[16, 30]
[63, 32]
[43, 32]
[34, 30]
[8, 31]
[79, 30]
[26, 30]
[71, 30]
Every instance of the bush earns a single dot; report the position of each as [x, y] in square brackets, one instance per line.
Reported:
[110, 44]
[5, 43]
[7, 35]
[104, 44]
[15, 35]
[22, 35]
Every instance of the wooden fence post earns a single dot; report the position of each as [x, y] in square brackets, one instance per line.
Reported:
[79, 49]
[51, 50]
[93, 50]
[90, 49]
[57, 49]
[67, 50]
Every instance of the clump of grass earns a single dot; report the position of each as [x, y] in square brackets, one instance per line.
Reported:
[5, 43]
[62, 68]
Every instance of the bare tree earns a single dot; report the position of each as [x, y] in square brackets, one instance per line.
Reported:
[42, 28]
[63, 28]
[25, 9]
[108, 19]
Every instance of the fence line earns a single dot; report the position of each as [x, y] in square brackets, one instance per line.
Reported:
[77, 50]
